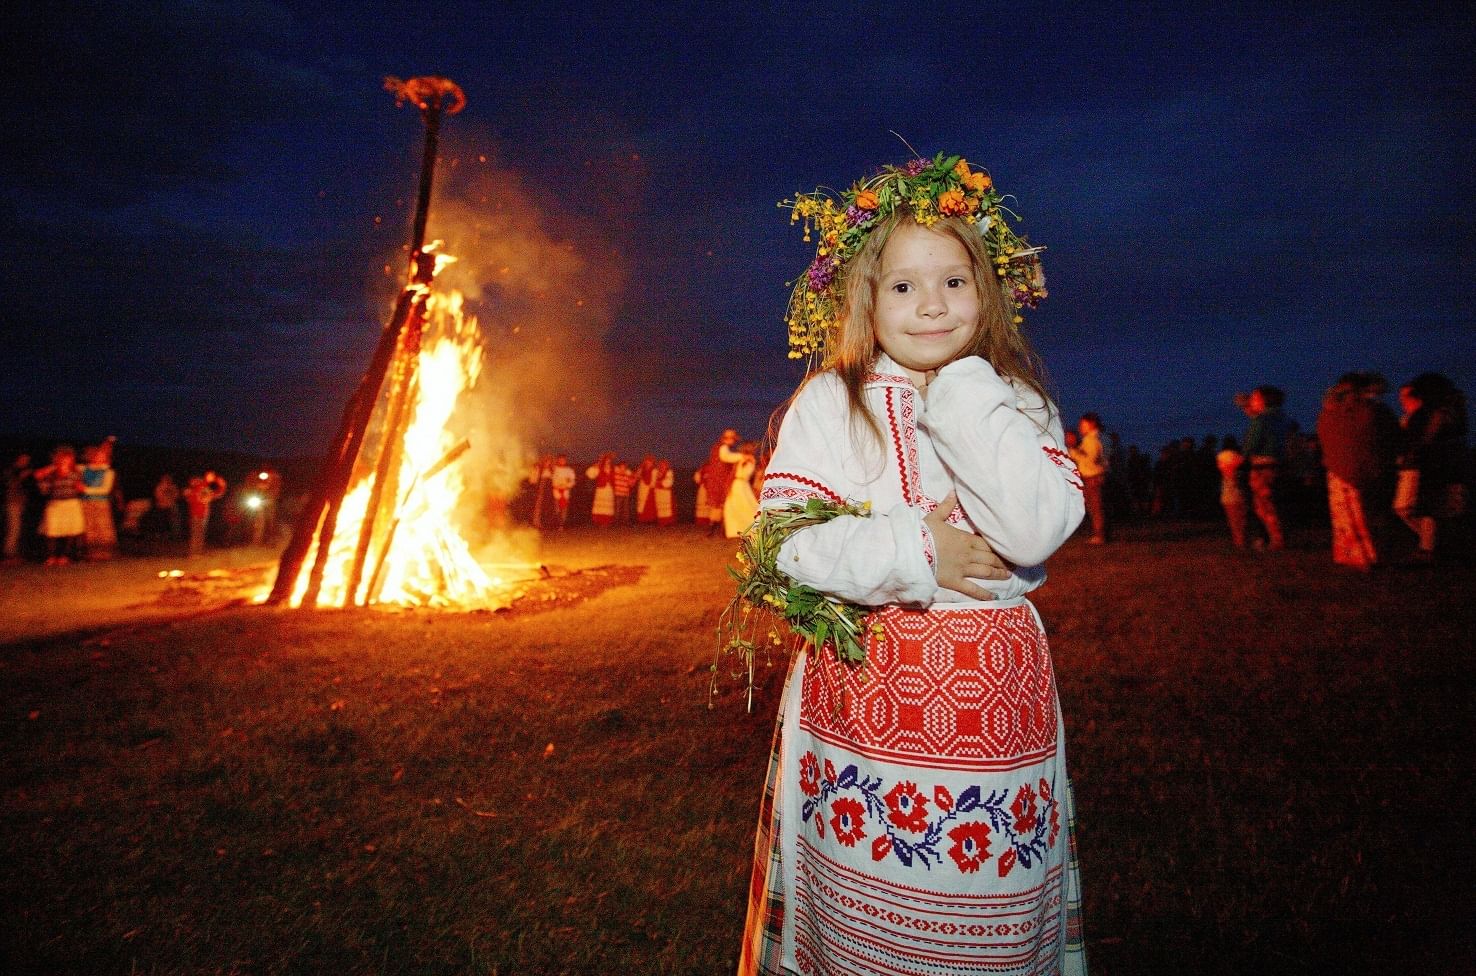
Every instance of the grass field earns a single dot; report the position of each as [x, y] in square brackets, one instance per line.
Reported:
[1267, 755]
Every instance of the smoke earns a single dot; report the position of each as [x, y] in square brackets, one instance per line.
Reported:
[542, 289]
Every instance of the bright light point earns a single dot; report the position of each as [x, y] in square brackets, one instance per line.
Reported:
[253, 502]
[263, 476]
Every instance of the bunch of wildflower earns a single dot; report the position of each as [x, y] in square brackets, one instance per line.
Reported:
[768, 600]
[945, 186]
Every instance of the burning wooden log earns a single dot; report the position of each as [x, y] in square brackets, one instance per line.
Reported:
[376, 581]
[394, 357]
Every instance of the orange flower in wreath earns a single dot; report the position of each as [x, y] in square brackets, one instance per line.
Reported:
[866, 200]
[978, 182]
[951, 203]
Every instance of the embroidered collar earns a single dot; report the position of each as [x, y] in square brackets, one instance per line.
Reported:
[886, 373]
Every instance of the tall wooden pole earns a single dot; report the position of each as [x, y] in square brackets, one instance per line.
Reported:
[435, 97]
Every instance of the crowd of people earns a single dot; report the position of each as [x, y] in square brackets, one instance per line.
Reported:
[1384, 482]
[1362, 468]
[69, 501]
[73, 508]
[646, 493]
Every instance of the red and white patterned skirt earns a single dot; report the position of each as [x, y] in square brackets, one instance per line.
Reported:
[917, 815]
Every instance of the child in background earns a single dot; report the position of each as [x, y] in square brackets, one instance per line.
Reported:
[925, 792]
[1232, 496]
[62, 521]
[97, 501]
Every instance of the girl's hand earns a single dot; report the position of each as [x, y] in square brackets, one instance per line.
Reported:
[962, 555]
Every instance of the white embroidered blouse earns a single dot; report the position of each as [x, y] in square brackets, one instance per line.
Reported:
[994, 442]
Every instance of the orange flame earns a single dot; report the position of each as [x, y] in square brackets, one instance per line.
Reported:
[428, 560]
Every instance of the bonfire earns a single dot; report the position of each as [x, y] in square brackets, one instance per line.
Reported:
[383, 524]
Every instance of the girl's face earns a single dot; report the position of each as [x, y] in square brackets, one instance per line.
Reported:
[927, 307]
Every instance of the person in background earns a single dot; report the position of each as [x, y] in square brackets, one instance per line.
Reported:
[1091, 460]
[166, 502]
[1139, 481]
[602, 473]
[266, 490]
[62, 522]
[624, 485]
[1228, 462]
[540, 478]
[19, 484]
[701, 512]
[663, 481]
[718, 479]
[1432, 458]
[1358, 435]
[1265, 449]
[742, 504]
[645, 482]
[199, 495]
[1205, 479]
[562, 480]
[100, 534]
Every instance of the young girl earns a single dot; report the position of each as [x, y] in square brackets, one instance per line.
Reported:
[62, 521]
[917, 815]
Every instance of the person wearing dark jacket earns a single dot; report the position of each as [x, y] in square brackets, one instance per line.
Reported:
[1432, 458]
[1265, 450]
[1359, 437]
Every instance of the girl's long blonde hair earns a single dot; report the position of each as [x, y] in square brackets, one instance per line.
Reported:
[997, 339]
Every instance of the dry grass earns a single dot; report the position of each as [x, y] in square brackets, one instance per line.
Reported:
[1267, 756]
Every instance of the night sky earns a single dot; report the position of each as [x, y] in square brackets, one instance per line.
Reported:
[201, 202]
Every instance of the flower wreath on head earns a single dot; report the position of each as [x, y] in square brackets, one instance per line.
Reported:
[930, 191]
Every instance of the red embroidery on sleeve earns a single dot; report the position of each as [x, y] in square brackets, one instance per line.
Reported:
[773, 491]
[1064, 462]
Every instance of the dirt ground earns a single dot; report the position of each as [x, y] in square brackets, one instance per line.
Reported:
[44, 601]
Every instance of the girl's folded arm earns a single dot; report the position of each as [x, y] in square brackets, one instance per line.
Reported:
[1014, 479]
[872, 561]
